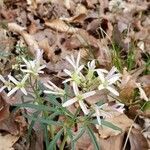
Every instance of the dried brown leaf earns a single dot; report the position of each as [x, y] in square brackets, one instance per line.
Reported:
[137, 140]
[61, 26]
[33, 45]
[7, 141]
[4, 109]
[121, 121]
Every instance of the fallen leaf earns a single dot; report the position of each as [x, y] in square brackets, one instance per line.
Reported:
[33, 45]
[4, 109]
[121, 121]
[61, 26]
[7, 141]
[137, 140]
[113, 142]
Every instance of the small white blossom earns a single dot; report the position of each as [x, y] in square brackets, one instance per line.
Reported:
[53, 89]
[99, 112]
[91, 69]
[75, 74]
[91, 65]
[7, 84]
[102, 111]
[142, 92]
[34, 67]
[79, 98]
[118, 107]
[18, 85]
[109, 80]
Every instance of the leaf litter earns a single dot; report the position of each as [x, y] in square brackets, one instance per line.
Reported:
[114, 32]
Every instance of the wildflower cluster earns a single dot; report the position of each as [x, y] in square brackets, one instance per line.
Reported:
[86, 80]
[29, 69]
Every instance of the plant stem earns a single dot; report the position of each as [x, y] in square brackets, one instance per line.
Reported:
[63, 142]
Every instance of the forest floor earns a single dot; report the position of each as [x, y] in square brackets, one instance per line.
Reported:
[110, 32]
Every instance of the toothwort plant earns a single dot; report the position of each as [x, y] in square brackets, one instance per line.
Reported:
[61, 111]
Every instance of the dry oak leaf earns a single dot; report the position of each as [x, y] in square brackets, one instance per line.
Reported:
[7, 141]
[4, 109]
[121, 121]
[112, 143]
[31, 42]
[61, 26]
[137, 140]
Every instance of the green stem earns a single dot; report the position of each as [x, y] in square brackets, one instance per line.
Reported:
[63, 142]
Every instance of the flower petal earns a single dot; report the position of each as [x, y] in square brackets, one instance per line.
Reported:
[67, 72]
[53, 85]
[11, 78]
[112, 90]
[100, 87]
[70, 61]
[2, 79]
[67, 80]
[69, 102]
[111, 72]
[83, 107]
[78, 59]
[80, 68]
[2, 88]
[101, 76]
[75, 88]
[24, 91]
[12, 91]
[88, 94]
[113, 79]
[99, 120]
[48, 86]
[25, 78]
[52, 92]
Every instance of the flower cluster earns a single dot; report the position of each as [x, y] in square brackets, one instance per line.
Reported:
[32, 68]
[85, 81]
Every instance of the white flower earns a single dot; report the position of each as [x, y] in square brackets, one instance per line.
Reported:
[7, 84]
[102, 111]
[142, 92]
[53, 89]
[91, 69]
[118, 107]
[18, 85]
[34, 67]
[99, 112]
[91, 65]
[109, 80]
[76, 69]
[79, 98]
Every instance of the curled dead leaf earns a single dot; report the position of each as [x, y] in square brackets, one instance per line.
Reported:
[4, 109]
[61, 26]
[7, 141]
[33, 45]
[121, 121]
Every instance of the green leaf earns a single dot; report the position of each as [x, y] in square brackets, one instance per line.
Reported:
[78, 134]
[55, 139]
[42, 120]
[52, 99]
[146, 106]
[107, 124]
[70, 135]
[110, 125]
[93, 138]
[46, 136]
[34, 106]
[31, 125]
